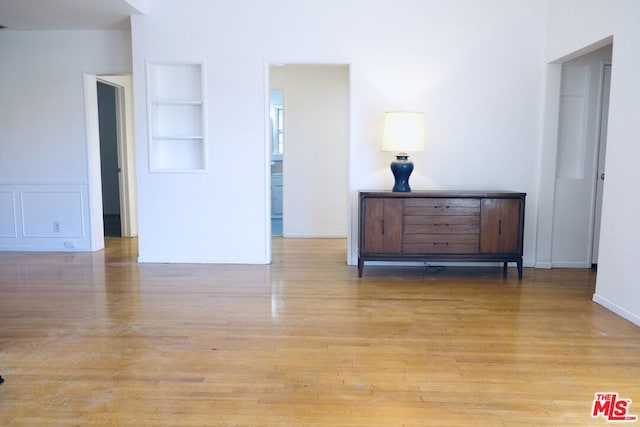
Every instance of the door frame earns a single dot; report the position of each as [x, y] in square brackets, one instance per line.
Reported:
[548, 155]
[583, 210]
[601, 147]
[126, 151]
[126, 155]
[267, 146]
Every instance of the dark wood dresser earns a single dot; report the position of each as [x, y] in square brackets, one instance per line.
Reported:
[441, 226]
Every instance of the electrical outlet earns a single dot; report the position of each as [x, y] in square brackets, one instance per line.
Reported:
[56, 226]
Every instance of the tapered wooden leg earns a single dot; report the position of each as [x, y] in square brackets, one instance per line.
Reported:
[519, 262]
[360, 266]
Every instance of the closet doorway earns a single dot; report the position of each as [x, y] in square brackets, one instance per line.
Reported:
[582, 134]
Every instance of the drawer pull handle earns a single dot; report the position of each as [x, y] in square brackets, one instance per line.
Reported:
[440, 244]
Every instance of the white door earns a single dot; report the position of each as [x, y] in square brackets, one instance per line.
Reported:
[93, 162]
[577, 160]
[604, 119]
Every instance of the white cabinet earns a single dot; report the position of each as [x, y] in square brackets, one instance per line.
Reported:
[176, 117]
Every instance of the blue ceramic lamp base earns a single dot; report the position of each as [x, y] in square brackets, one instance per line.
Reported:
[401, 168]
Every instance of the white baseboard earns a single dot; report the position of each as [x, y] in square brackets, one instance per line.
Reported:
[543, 265]
[57, 246]
[197, 260]
[571, 265]
[620, 311]
[314, 236]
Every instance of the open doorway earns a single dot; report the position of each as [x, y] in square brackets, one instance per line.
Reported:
[312, 161]
[276, 124]
[109, 168]
[122, 170]
[581, 147]
[126, 168]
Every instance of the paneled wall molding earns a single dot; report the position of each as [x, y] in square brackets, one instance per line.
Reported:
[44, 216]
[8, 221]
[4, 182]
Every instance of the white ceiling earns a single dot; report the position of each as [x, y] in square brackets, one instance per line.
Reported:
[67, 14]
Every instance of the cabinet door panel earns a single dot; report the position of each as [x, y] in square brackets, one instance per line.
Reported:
[500, 226]
[510, 227]
[489, 226]
[382, 225]
[373, 214]
[392, 226]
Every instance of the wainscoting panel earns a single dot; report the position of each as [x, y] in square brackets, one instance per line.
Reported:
[8, 221]
[51, 214]
[44, 216]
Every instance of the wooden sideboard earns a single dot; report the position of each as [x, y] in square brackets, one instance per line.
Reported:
[460, 226]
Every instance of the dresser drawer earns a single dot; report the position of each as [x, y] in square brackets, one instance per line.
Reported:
[441, 206]
[441, 243]
[442, 224]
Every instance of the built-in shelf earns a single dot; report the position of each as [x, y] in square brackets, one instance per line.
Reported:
[176, 117]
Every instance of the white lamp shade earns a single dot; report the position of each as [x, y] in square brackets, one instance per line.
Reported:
[403, 132]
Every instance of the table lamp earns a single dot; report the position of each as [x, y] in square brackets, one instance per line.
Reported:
[403, 133]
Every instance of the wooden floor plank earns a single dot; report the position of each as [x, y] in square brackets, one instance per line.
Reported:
[97, 339]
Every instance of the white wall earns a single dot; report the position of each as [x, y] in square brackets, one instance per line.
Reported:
[316, 105]
[43, 155]
[573, 26]
[474, 68]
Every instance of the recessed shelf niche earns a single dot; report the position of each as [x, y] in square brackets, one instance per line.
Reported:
[176, 111]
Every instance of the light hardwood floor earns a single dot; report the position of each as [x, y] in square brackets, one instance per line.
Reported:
[96, 339]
